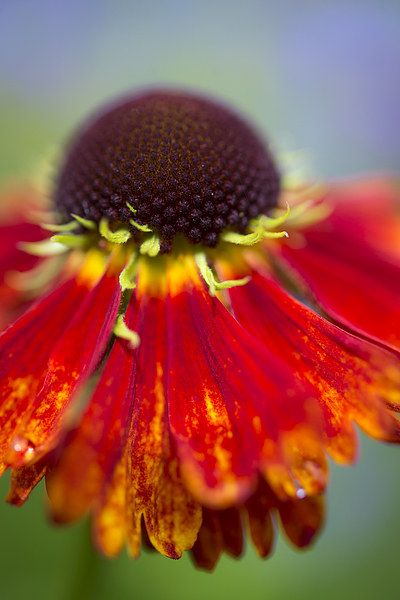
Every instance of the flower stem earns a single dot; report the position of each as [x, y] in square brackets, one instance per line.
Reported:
[85, 580]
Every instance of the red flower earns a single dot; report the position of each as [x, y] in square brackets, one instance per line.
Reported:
[190, 366]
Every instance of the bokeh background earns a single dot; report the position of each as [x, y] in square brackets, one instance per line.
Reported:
[318, 76]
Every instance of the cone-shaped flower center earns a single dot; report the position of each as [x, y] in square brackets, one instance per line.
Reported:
[183, 164]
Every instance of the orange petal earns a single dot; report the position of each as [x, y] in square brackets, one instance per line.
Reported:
[110, 518]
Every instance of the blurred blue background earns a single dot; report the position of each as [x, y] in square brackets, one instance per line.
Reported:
[323, 77]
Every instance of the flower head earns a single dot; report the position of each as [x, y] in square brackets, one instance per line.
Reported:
[187, 365]
[181, 164]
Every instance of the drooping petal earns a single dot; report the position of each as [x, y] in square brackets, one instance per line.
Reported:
[221, 531]
[209, 544]
[22, 373]
[302, 520]
[72, 360]
[172, 517]
[206, 434]
[232, 531]
[258, 509]
[353, 379]
[156, 491]
[147, 484]
[234, 409]
[110, 521]
[347, 267]
[91, 452]
[24, 479]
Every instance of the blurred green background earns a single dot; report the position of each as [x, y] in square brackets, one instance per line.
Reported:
[316, 76]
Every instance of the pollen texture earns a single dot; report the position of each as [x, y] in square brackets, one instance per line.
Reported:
[184, 164]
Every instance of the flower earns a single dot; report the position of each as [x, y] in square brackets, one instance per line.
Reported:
[187, 365]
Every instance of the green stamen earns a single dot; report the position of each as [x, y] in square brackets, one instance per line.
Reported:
[60, 228]
[43, 248]
[128, 275]
[70, 241]
[144, 228]
[151, 246]
[120, 236]
[272, 222]
[85, 222]
[261, 230]
[122, 331]
[209, 277]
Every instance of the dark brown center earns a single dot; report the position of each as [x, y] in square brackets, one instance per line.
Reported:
[185, 164]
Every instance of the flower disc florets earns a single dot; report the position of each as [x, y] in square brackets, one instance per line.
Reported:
[173, 162]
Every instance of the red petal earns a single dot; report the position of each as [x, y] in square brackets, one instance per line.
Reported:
[369, 210]
[232, 531]
[25, 479]
[11, 257]
[302, 519]
[17, 202]
[353, 379]
[13, 301]
[342, 260]
[220, 531]
[22, 374]
[71, 362]
[155, 489]
[260, 522]
[233, 408]
[209, 545]
[97, 444]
